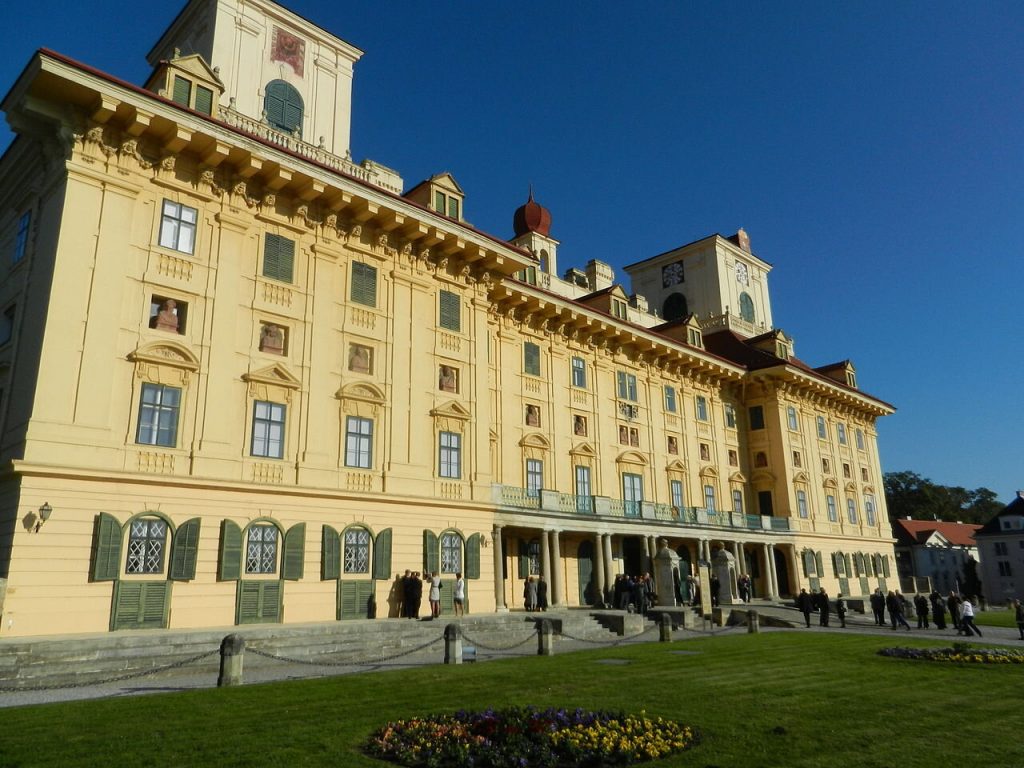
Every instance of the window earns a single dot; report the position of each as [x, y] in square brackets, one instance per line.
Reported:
[833, 515]
[801, 504]
[737, 501]
[533, 557]
[760, 459]
[619, 309]
[632, 493]
[670, 399]
[791, 416]
[584, 503]
[147, 542]
[673, 445]
[181, 93]
[694, 337]
[859, 435]
[447, 378]
[634, 437]
[282, 106]
[278, 258]
[579, 373]
[623, 434]
[709, 498]
[531, 359]
[268, 430]
[358, 442]
[869, 509]
[178, 227]
[450, 455]
[451, 318]
[446, 205]
[675, 491]
[7, 324]
[21, 239]
[1001, 548]
[702, 408]
[204, 100]
[841, 432]
[534, 477]
[1004, 568]
[746, 307]
[730, 416]
[357, 550]
[158, 415]
[822, 429]
[261, 549]
[626, 386]
[451, 553]
[851, 511]
[734, 458]
[756, 417]
[364, 284]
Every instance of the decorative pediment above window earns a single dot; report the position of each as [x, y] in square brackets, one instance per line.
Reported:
[535, 440]
[675, 466]
[708, 472]
[583, 449]
[361, 399]
[850, 488]
[450, 417]
[276, 375]
[830, 482]
[631, 457]
[164, 362]
[737, 477]
[801, 477]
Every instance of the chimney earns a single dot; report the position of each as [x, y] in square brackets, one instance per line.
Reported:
[599, 275]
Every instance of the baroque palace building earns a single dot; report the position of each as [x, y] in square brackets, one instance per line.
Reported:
[245, 379]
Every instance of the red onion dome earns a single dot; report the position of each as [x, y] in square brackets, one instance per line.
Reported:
[531, 217]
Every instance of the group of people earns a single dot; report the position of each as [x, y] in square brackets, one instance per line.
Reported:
[410, 587]
[634, 593]
[819, 601]
[960, 608]
[535, 594]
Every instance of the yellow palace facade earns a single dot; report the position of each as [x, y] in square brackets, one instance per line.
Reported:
[246, 380]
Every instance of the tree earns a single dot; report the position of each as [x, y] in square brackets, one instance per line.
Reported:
[907, 494]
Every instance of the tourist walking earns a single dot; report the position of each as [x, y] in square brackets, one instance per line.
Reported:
[806, 604]
[894, 603]
[841, 609]
[878, 606]
[459, 595]
[1018, 614]
[921, 608]
[967, 624]
[821, 603]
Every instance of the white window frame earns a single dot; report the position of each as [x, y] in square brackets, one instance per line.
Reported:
[450, 455]
[358, 442]
[175, 227]
[268, 433]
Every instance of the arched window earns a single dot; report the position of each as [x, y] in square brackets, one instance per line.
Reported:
[451, 552]
[283, 106]
[357, 550]
[746, 307]
[147, 543]
[545, 262]
[675, 307]
[261, 549]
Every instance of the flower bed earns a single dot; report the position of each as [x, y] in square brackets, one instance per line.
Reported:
[519, 737]
[960, 652]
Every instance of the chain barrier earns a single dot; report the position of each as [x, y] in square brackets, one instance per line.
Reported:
[114, 679]
[368, 663]
[477, 644]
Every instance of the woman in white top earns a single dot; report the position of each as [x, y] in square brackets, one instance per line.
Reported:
[435, 595]
[460, 594]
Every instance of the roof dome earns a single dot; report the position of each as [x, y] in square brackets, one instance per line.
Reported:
[531, 217]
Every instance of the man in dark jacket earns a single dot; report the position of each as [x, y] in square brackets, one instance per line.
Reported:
[806, 604]
[821, 603]
[878, 607]
[938, 610]
[921, 607]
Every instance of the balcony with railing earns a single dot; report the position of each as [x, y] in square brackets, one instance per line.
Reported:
[368, 171]
[510, 498]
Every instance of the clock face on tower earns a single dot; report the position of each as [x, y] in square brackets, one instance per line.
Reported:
[741, 273]
[672, 274]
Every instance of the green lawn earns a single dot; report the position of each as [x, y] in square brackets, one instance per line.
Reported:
[775, 699]
[996, 618]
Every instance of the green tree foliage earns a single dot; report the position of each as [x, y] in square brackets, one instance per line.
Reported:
[907, 494]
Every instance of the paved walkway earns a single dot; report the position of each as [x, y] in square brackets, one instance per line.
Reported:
[262, 670]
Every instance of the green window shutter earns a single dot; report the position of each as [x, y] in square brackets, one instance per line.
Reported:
[278, 258]
[330, 562]
[364, 284]
[450, 314]
[473, 557]
[127, 604]
[382, 555]
[808, 559]
[204, 100]
[293, 563]
[258, 602]
[270, 602]
[431, 554]
[106, 548]
[818, 561]
[184, 550]
[364, 593]
[230, 552]
[283, 106]
[524, 560]
[141, 605]
[885, 565]
[155, 602]
[354, 599]
[182, 92]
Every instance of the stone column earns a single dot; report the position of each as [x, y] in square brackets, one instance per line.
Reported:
[609, 564]
[737, 552]
[545, 562]
[652, 551]
[598, 574]
[769, 586]
[499, 579]
[557, 576]
[773, 572]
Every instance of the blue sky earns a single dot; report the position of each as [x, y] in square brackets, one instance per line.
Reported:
[872, 151]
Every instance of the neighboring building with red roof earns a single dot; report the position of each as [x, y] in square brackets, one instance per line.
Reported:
[931, 554]
[1001, 551]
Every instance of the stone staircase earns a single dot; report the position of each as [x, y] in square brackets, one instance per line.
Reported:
[85, 659]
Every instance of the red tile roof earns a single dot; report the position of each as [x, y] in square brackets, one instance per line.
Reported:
[909, 532]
